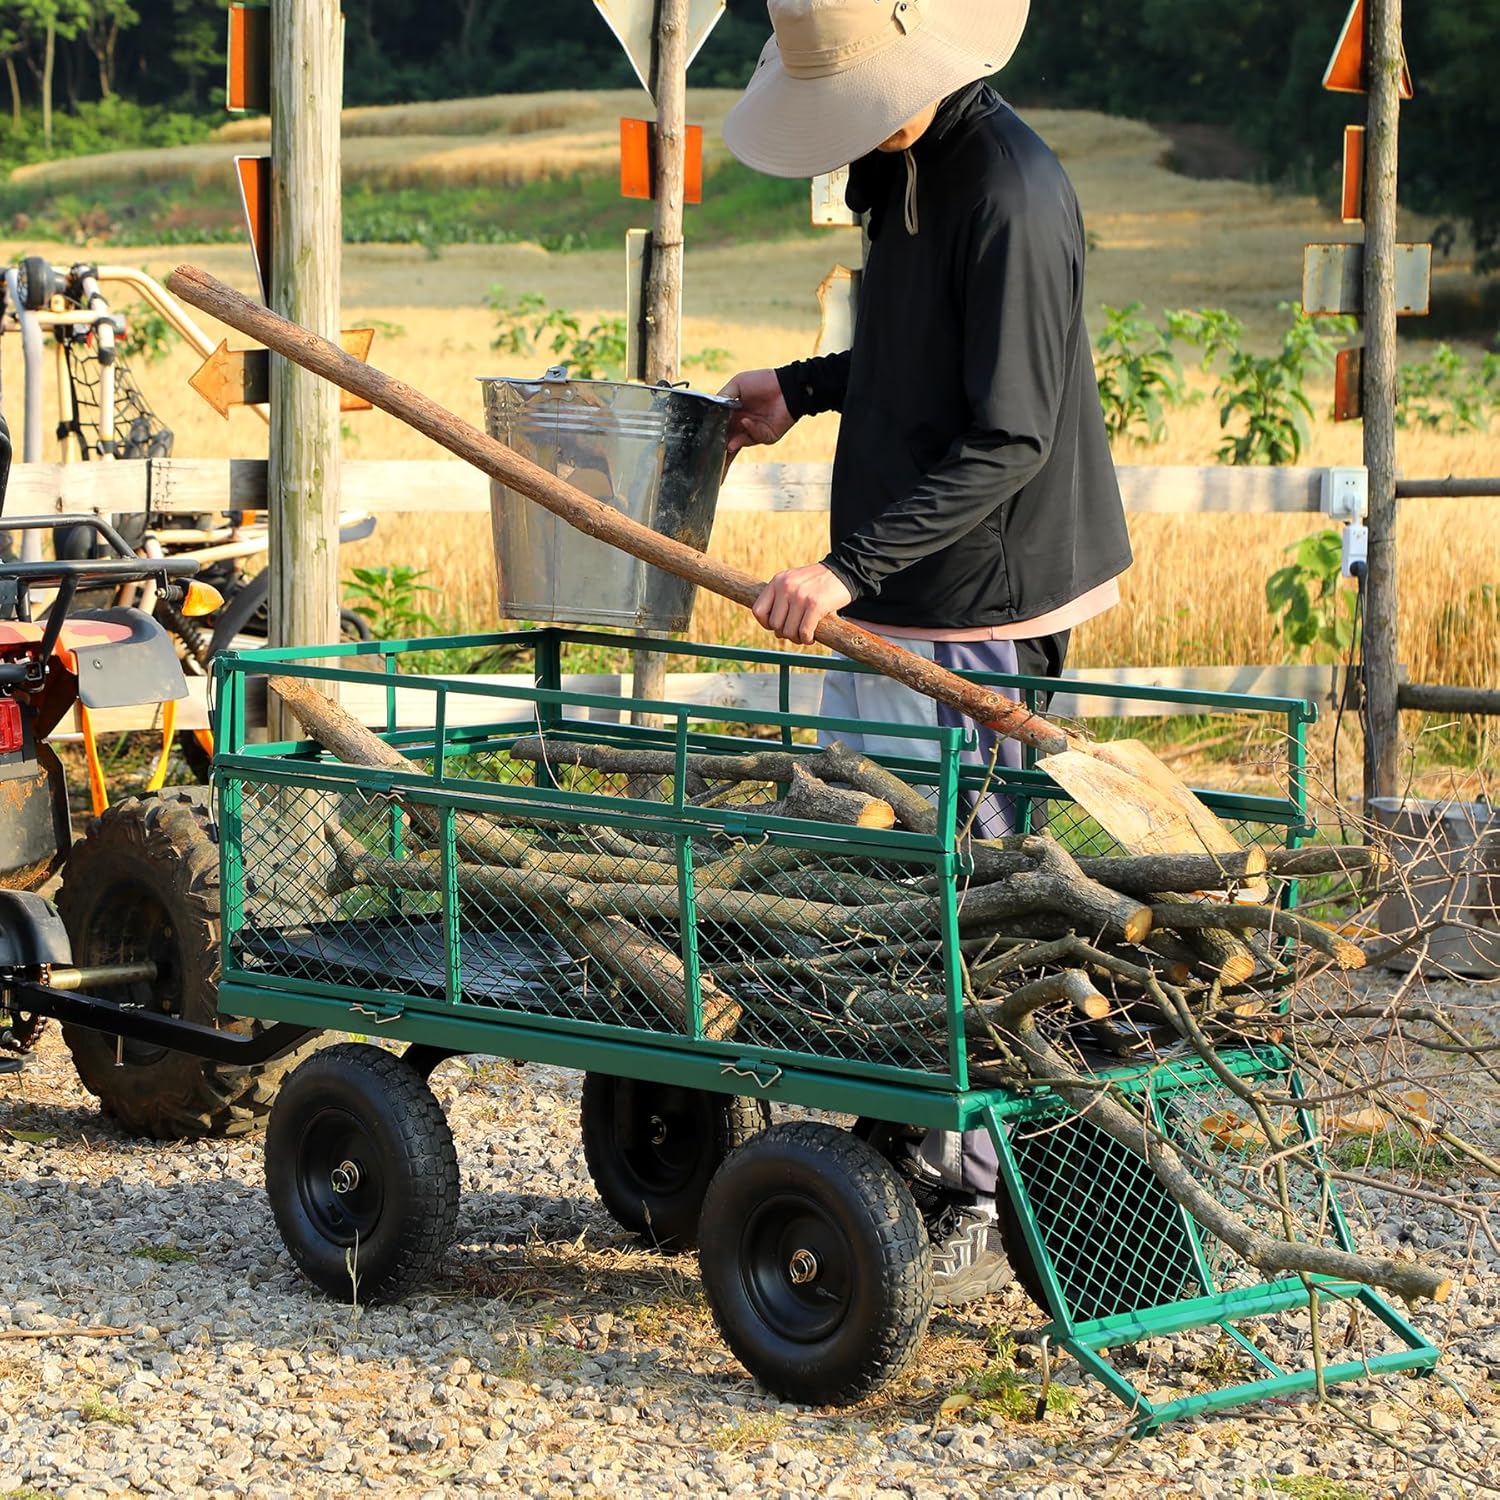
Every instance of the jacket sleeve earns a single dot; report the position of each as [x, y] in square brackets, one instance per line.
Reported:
[809, 386]
[1020, 286]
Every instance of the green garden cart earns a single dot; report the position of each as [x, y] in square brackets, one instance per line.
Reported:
[542, 881]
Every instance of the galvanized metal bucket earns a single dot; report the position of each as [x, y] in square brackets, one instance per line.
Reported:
[653, 452]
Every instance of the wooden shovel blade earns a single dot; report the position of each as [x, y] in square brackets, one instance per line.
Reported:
[1134, 797]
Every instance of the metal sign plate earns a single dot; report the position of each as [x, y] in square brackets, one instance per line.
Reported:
[634, 25]
[829, 211]
[254, 174]
[247, 80]
[1348, 384]
[838, 305]
[1353, 210]
[1333, 279]
[1345, 73]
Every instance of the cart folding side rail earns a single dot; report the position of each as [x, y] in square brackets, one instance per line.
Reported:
[511, 896]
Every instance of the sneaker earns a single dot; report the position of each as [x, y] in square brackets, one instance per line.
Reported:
[968, 1255]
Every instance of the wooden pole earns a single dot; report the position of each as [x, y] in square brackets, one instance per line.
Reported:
[306, 243]
[1382, 719]
[664, 287]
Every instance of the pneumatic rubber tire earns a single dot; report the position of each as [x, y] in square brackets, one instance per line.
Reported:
[361, 1173]
[653, 1148]
[143, 883]
[816, 1263]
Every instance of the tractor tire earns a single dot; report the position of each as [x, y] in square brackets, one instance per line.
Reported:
[143, 883]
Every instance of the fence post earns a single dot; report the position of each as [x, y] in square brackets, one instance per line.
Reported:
[1382, 719]
[306, 243]
[664, 287]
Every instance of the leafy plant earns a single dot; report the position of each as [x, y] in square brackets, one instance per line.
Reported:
[1312, 612]
[1213, 330]
[391, 599]
[147, 334]
[1268, 391]
[595, 353]
[1139, 377]
[712, 358]
[1446, 393]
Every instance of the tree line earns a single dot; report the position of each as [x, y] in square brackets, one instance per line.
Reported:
[1254, 67]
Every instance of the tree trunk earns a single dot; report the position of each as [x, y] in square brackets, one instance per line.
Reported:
[1382, 756]
[15, 94]
[49, 56]
[664, 289]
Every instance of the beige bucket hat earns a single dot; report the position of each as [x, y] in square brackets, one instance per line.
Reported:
[840, 76]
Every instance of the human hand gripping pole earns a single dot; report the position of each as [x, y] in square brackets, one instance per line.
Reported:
[1147, 813]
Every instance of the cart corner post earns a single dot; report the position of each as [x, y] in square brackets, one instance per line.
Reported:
[306, 244]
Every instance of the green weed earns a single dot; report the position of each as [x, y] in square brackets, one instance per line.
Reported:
[752, 1431]
[1316, 1487]
[163, 1255]
[1000, 1388]
[95, 1409]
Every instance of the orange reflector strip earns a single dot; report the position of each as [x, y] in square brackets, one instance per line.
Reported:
[638, 162]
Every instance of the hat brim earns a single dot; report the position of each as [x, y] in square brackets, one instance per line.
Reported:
[803, 127]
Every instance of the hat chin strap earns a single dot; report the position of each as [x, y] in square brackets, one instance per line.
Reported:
[909, 208]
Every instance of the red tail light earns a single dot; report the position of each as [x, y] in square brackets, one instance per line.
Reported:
[11, 737]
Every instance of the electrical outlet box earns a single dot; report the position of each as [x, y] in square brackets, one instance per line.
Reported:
[1346, 494]
[1355, 549]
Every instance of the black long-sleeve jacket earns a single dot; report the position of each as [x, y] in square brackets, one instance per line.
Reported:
[972, 482]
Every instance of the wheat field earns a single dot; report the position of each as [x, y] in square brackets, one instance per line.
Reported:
[1195, 593]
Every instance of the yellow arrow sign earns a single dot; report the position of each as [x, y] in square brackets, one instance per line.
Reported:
[242, 377]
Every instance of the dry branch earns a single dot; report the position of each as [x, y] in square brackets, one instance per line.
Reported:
[1208, 915]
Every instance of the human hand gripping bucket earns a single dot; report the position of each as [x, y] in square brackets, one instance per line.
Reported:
[654, 452]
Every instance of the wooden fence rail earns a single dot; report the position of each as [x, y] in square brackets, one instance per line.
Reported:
[188, 486]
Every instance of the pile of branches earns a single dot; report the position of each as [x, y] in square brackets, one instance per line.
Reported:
[1065, 960]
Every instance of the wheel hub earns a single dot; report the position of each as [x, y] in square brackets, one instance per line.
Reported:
[345, 1177]
[803, 1267]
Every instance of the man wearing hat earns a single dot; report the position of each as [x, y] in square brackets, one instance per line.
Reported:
[975, 517]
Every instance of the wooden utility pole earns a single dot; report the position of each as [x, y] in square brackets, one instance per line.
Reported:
[306, 243]
[664, 283]
[1382, 720]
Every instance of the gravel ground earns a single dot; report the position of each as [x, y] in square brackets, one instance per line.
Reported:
[554, 1358]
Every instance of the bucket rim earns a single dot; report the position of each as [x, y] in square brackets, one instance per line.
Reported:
[635, 385]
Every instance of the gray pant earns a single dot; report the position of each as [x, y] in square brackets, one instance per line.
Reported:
[965, 1162]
